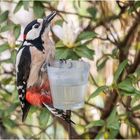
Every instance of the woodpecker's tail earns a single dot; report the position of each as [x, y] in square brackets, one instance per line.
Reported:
[59, 113]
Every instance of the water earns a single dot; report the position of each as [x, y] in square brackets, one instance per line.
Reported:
[68, 97]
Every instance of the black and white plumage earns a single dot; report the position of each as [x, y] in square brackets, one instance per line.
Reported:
[23, 70]
[59, 113]
[36, 49]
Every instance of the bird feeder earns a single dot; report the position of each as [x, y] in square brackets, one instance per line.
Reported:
[68, 83]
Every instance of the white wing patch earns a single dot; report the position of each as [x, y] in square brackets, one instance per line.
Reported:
[27, 43]
[18, 59]
[19, 87]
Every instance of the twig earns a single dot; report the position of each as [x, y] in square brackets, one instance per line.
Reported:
[127, 39]
[115, 31]
[106, 39]
[93, 80]
[122, 8]
[5, 90]
[80, 116]
[75, 135]
[125, 105]
[43, 130]
[28, 125]
[136, 63]
[97, 107]
[133, 5]
[108, 29]
[50, 7]
[68, 113]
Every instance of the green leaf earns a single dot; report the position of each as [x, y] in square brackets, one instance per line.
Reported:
[59, 44]
[13, 56]
[135, 7]
[6, 28]
[97, 92]
[86, 35]
[135, 108]
[95, 123]
[4, 47]
[18, 6]
[33, 109]
[84, 51]
[113, 133]
[101, 63]
[137, 4]
[135, 99]
[59, 22]
[127, 93]
[6, 81]
[26, 5]
[126, 85]
[92, 11]
[72, 55]
[115, 53]
[38, 9]
[113, 121]
[92, 80]
[62, 53]
[1, 113]
[137, 73]
[17, 30]
[80, 128]
[12, 108]
[120, 70]
[15, 97]
[8, 123]
[99, 135]
[106, 135]
[44, 118]
[4, 16]
[65, 53]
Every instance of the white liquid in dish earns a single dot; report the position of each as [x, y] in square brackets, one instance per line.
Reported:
[68, 97]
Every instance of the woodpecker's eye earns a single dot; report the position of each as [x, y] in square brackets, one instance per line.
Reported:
[36, 25]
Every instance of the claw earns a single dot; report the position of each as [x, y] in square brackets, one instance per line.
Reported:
[58, 113]
[63, 61]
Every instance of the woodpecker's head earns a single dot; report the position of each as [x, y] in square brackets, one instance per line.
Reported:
[36, 28]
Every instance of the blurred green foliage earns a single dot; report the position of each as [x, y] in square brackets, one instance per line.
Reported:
[125, 88]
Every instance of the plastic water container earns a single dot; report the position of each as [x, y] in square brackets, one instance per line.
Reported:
[68, 83]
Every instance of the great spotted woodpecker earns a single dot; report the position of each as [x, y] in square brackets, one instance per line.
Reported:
[37, 49]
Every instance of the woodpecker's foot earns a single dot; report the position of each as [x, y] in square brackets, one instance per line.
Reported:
[63, 60]
[59, 113]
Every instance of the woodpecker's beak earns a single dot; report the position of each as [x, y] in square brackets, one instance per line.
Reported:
[48, 19]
